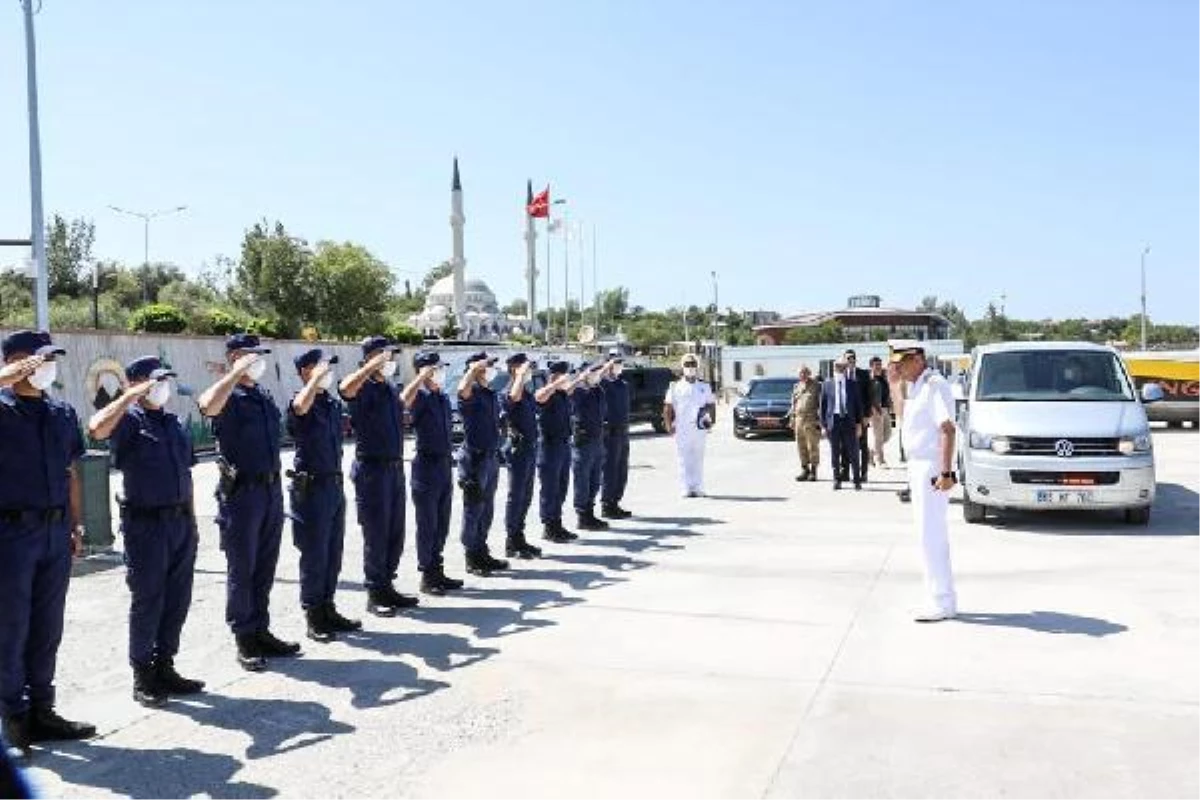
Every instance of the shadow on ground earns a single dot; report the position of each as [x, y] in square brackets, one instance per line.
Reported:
[274, 726]
[440, 651]
[137, 773]
[1046, 622]
[372, 682]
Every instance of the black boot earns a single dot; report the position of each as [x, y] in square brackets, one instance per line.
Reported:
[804, 475]
[146, 689]
[271, 645]
[338, 622]
[45, 725]
[614, 511]
[557, 534]
[517, 547]
[400, 600]
[172, 682]
[249, 652]
[495, 564]
[448, 583]
[319, 627]
[479, 564]
[589, 522]
[431, 582]
[15, 729]
[379, 604]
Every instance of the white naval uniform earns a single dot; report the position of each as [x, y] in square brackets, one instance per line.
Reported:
[687, 399]
[928, 405]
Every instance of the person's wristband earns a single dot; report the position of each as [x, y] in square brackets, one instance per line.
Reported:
[951, 475]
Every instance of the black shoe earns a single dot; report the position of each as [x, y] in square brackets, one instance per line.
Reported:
[172, 682]
[557, 535]
[803, 476]
[45, 725]
[858, 486]
[271, 645]
[338, 622]
[588, 522]
[249, 652]
[320, 629]
[15, 730]
[837, 485]
[431, 583]
[905, 495]
[400, 600]
[495, 564]
[146, 689]
[378, 604]
[813, 477]
[615, 512]
[483, 564]
[448, 583]
[517, 547]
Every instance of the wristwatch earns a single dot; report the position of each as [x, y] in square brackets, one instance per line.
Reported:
[951, 475]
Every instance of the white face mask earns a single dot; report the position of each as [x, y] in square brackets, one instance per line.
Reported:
[43, 377]
[159, 395]
[593, 378]
[326, 381]
[617, 370]
[489, 375]
[439, 376]
[689, 372]
[388, 369]
[257, 370]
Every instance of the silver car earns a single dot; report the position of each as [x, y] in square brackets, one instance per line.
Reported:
[1055, 425]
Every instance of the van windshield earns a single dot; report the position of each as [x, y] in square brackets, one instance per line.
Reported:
[1049, 375]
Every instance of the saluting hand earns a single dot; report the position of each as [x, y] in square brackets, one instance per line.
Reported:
[319, 371]
[377, 361]
[426, 375]
[138, 390]
[20, 370]
[244, 363]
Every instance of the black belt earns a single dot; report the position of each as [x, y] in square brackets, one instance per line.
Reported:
[314, 476]
[379, 460]
[159, 513]
[619, 427]
[259, 479]
[433, 454]
[32, 514]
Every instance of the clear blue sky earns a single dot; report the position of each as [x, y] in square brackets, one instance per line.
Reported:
[805, 151]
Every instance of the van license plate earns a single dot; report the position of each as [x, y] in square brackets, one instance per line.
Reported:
[1063, 498]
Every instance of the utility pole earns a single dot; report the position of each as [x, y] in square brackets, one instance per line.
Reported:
[37, 223]
[1145, 252]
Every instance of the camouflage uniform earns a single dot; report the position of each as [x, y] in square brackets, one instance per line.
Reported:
[806, 424]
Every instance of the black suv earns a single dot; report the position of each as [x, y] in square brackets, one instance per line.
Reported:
[647, 392]
[764, 407]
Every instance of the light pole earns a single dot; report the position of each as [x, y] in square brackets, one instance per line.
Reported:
[96, 295]
[37, 225]
[1145, 252]
[549, 230]
[716, 348]
[145, 217]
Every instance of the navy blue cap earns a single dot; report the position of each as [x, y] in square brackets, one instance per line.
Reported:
[516, 359]
[147, 367]
[311, 357]
[426, 358]
[481, 356]
[34, 343]
[373, 343]
[245, 341]
[558, 367]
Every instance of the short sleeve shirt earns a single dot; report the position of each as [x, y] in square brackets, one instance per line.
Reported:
[687, 398]
[39, 440]
[248, 430]
[929, 404]
[154, 454]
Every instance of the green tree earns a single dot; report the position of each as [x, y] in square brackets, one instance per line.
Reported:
[614, 303]
[352, 289]
[275, 272]
[69, 255]
[158, 318]
[402, 333]
[517, 308]
[826, 333]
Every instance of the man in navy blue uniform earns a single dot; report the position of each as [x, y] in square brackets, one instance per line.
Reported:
[40, 529]
[478, 462]
[378, 472]
[154, 454]
[314, 420]
[587, 445]
[519, 415]
[432, 481]
[616, 443]
[247, 425]
[554, 450]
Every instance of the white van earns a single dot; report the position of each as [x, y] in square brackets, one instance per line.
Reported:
[1053, 425]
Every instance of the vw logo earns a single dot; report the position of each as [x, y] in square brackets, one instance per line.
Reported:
[1064, 448]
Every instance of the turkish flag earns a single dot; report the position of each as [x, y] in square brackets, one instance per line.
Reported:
[540, 205]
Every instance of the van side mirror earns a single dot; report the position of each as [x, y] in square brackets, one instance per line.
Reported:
[1152, 393]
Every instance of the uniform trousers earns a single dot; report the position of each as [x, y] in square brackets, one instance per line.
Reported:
[930, 509]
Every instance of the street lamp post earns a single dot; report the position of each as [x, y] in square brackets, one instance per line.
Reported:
[1145, 252]
[96, 295]
[37, 225]
[145, 217]
[716, 348]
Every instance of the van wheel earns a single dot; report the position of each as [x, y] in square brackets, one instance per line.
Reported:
[973, 512]
[1137, 516]
[739, 434]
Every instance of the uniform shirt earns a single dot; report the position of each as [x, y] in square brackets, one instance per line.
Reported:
[616, 401]
[554, 418]
[318, 435]
[154, 454]
[247, 430]
[521, 415]
[481, 419]
[806, 401]
[688, 398]
[929, 404]
[39, 440]
[376, 412]
[431, 422]
[587, 410]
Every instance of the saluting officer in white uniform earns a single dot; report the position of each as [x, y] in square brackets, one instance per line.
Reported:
[928, 435]
[689, 411]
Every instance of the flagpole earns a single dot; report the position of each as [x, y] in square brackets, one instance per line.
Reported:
[595, 284]
[582, 273]
[566, 277]
[549, 320]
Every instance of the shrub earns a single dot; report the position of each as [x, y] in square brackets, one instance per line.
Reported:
[268, 327]
[216, 322]
[158, 318]
[401, 333]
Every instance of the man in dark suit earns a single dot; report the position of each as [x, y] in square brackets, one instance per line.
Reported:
[841, 422]
[860, 379]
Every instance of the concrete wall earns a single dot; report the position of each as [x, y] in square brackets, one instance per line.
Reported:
[785, 360]
[93, 369]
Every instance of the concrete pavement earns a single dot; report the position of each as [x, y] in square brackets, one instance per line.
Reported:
[753, 643]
